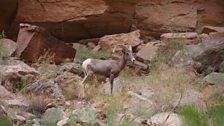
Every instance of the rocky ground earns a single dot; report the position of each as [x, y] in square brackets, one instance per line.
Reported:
[177, 79]
[178, 71]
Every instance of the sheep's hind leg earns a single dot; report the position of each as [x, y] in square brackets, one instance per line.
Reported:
[111, 84]
[86, 78]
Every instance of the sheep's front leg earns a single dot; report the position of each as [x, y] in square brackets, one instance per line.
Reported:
[111, 83]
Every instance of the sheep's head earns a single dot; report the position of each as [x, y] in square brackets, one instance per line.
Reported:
[127, 51]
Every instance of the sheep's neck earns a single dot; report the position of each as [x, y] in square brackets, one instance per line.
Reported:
[122, 63]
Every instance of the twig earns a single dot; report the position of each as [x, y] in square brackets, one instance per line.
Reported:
[174, 108]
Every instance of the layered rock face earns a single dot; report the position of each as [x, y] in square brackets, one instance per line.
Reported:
[72, 20]
[79, 19]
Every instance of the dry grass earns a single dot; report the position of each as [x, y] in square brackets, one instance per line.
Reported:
[37, 104]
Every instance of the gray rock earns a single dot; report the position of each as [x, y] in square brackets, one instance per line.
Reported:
[221, 67]
[215, 79]
[148, 52]
[52, 116]
[15, 67]
[7, 47]
[189, 97]
[47, 86]
[86, 114]
[211, 54]
[185, 57]
[159, 119]
[4, 93]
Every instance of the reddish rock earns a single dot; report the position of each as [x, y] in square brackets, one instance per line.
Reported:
[157, 17]
[82, 19]
[211, 12]
[132, 38]
[8, 13]
[79, 19]
[34, 41]
[209, 29]
[187, 35]
[51, 11]
[216, 34]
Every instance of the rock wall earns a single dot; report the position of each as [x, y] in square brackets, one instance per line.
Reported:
[78, 19]
[72, 20]
[8, 12]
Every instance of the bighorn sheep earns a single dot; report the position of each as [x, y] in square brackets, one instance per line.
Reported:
[108, 68]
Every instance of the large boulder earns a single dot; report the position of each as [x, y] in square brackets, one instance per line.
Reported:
[132, 38]
[35, 42]
[52, 116]
[7, 47]
[211, 56]
[15, 68]
[166, 119]
[147, 52]
[15, 74]
[215, 79]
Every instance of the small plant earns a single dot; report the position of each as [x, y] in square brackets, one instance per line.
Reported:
[192, 116]
[166, 53]
[2, 35]
[87, 114]
[5, 119]
[84, 53]
[127, 122]
[46, 58]
[111, 114]
[216, 113]
[210, 69]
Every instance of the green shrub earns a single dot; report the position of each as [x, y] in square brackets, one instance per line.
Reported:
[217, 114]
[192, 116]
[111, 114]
[166, 53]
[5, 121]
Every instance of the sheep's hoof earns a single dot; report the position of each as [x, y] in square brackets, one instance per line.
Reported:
[82, 95]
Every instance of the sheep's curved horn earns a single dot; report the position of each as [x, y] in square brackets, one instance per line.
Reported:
[130, 48]
[122, 46]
